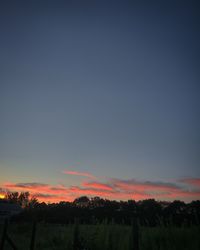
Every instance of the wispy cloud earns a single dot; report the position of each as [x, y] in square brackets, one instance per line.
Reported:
[192, 181]
[161, 190]
[84, 174]
[141, 186]
[28, 185]
[98, 185]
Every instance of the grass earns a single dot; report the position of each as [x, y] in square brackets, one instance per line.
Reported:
[106, 237]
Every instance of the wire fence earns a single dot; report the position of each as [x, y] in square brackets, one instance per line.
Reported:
[77, 241]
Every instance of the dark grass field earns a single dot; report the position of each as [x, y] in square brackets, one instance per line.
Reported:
[103, 237]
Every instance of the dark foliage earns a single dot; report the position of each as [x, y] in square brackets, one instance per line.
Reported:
[96, 210]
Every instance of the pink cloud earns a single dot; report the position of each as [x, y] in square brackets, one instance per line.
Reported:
[98, 185]
[140, 186]
[192, 181]
[84, 174]
[108, 194]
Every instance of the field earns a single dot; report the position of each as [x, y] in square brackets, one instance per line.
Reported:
[103, 237]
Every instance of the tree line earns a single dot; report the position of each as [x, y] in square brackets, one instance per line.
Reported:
[96, 210]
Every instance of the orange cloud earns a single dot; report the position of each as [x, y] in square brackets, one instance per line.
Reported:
[84, 174]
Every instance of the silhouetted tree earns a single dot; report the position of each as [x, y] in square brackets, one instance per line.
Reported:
[150, 210]
[82, 201]
[97, 210]
[12, 197]
[23, 199]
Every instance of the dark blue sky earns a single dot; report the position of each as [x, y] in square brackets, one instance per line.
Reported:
[110, 88]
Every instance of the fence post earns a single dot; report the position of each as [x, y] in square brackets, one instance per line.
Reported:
[32, 245]
[11, 242]
[77, 244]
[3, 239]
[135, 232]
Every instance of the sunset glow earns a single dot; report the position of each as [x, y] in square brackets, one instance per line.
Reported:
[2, 196]
[112, 189]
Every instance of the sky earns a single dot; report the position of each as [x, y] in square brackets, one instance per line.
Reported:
[100, 98]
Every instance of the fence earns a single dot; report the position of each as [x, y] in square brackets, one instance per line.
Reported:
[77, 243]
[6, 237]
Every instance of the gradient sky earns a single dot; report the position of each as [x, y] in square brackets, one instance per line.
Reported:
[100, 98]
